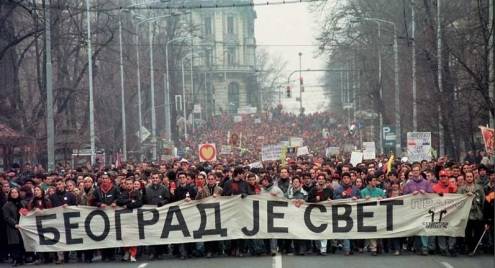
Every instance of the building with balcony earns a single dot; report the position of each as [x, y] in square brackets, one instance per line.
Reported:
[224, 71]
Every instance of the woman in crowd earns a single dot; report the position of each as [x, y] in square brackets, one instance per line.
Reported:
[11, 215]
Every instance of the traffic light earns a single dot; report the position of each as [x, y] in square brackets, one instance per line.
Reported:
[301, 82]
[288, 91]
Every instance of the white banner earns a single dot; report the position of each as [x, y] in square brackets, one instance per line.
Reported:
[271, 152]
[418, 146]
[253, 217]
[356, 158]
[330, 151]
[369, 152]
[296, 142]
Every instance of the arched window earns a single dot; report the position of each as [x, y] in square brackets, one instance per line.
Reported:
[233, 97]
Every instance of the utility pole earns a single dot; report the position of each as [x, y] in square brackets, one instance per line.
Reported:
[90, 79]
[491, 69]
[300, 83]
[398, 134]
[122, 93]
[49, 91]
[413, 56]
[140, 119]
[440, 85]
[152, 88]
[380, 84]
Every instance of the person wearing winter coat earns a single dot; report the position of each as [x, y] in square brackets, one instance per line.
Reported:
[475, 226]
[106, 195]
[11, 216]
[131, 197]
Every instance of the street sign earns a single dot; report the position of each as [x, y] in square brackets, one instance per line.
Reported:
[144, 132]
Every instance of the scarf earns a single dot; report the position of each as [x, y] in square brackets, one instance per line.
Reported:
[106, 187]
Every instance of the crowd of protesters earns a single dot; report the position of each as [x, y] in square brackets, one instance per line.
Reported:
[319, 131]
[305, 179]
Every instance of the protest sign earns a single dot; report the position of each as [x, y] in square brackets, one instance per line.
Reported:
[207, 152]
[418, 146]
[488, 135]
[252, 217]
[356, 158]
[302, 150]
[369, 152]
[296, 142]
[330, 151]
[271, 152]
[226, 149]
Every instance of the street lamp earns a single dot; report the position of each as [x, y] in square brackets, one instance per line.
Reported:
[124, 135]
[90, 79]
[152, 79]
[184, 89]
[168, 127]
[300, 84]
[396, 76]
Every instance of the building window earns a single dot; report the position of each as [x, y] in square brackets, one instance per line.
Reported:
[233, 97]
[231, 56]
[230, 25]
[208, 57]
[208, 26]
[250, 25]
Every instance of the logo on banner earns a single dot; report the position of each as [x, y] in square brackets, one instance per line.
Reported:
[436, 225]
[207, 152]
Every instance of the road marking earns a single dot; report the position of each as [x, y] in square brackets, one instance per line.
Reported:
[142, 265]
[277, 261]
[446, 264]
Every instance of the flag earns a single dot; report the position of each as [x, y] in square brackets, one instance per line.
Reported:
[488, 135]
[388, 166]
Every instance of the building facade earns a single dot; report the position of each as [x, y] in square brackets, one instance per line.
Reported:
[225, 65]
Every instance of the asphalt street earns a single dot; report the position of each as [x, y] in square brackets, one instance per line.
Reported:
[355, 261]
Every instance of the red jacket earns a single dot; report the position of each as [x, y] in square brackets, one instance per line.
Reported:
[442, 188]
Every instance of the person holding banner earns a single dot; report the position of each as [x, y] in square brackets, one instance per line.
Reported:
[61, 197]
[237, 186]
[211, 189]
[268, 188]
[299, 196]
[87, 199]
[444, 186]
[417, 184]
[321, 193]
[11, 214]
[346, 190]
[474, 226]
[158, 195]
[130, 197]
[107, 195]
[371, 191]
[185, 192]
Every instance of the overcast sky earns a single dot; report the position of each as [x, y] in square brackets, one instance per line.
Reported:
[285, 30]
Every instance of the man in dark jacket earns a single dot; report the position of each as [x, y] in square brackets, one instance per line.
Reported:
[157, 194]
[62, 198]
[106, 194]
[185, 192]
[236, 186]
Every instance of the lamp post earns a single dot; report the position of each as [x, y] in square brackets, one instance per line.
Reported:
[152, 80]
[168, 127]
[184, 90]
[398, 135]
[50, 129]
[300, 83]
[124, 135]
[440, 81]
[90, 79]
